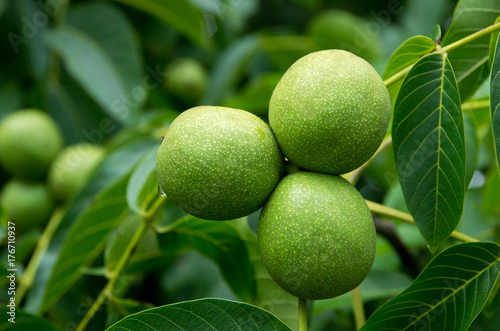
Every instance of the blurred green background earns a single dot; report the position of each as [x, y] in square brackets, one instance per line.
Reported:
[110, 72]
[92, 60]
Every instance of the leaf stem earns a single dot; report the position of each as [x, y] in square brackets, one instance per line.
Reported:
[147, 202]
[358, 308]
[302, 314]
[155, 207]
[122, 262]
[448, 48]
[398, 76]
[354, 175]
[474, 105]
[476, 35]
[405, 217]
[41, 248]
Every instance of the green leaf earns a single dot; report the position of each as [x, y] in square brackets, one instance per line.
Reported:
[495, 100]
[180, 14]
[341, 29]
[416, 17]
[493, 43]
[147, 249]
[283, 51]
[228, 68]
[394, 198]
[118, 241]
[429, 147]
[120, 307]
[406, 55]
[312, 4]
[110, 28]
[89, 64]
[184, 281]
[435, 32]
[114, 169]
[232, 14]
[217, 240]
[36, 50]
[471, 145]
[169, 215]
[25, 244]
[475, 222]
[204, 314]
[78, 116]
[23, 322]
[481, 94]
[118, 164]
[448, 295]
[380, 284]
[3, 7]
[270, 296]
[255, 96]
[491, 202]
[10, 98]
[493, 303]
[85, 240]
[158, 118]
[470, 60]
[3, 275]
[142, 187]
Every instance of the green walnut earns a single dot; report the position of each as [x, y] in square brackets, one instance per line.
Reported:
[219, 163]
[72, 167]
[330, 112]
[29, 142]
[186, 78]
[27, 203]
[316, 236]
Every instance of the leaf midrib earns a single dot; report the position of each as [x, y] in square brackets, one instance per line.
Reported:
[49, 299]
[443, 57]
[452, 293]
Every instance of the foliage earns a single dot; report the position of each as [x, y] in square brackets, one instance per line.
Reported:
[118, 253]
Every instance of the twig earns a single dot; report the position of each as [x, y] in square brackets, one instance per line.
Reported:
[122, 262]
[405, 217]
[358, 308]
[354, 175]
[387, 230]
[457, 44]
[302, 315]
[41, 248]
[474, 105]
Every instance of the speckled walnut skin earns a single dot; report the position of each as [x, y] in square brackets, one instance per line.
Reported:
[316, 236]
[330, 112]
[219, 163]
